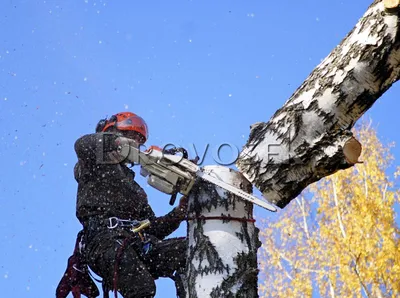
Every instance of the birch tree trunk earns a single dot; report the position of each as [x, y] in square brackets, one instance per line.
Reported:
[222, 252]
[310, 136]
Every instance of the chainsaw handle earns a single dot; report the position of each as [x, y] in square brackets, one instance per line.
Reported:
[173, 199]
[175, 150]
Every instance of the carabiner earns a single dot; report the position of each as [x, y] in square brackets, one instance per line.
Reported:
[111, 225]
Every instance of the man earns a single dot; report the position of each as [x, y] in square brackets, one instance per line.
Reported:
[109, 202]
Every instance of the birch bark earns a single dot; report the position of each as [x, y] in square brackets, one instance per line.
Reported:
[310, 136]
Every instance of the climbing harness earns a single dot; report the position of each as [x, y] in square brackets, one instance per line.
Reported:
[134, 226]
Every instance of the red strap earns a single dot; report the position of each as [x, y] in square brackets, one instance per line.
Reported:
[116, 264]
[241, 219]
[76, 292]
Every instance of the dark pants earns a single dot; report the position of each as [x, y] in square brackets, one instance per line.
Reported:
[135, 274]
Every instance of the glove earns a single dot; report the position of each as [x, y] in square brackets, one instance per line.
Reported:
[76, 279]
[124, 141]
[181, 209]
[183, 203]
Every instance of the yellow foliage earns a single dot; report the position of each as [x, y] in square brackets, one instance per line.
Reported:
[340, 239]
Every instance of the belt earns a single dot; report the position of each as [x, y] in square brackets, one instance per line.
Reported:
[134, 226]
[115, 222]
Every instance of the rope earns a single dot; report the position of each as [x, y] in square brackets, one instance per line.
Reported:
[116, 264]
[201, 217]
[241, 219]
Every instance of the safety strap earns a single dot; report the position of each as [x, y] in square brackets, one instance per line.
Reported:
[116, 264]
[134, 226]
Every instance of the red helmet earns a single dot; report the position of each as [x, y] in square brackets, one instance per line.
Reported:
[125, 121]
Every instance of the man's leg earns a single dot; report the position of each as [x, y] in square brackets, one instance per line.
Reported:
[168, 259]
[132, 277]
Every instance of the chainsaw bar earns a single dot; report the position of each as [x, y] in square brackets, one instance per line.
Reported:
[236, 191]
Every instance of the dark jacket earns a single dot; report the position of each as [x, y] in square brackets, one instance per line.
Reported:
[107, 189]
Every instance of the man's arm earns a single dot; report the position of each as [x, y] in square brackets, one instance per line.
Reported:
[163, 226]
[97, 148]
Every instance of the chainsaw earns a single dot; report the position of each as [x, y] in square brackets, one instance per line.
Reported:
[172, 173]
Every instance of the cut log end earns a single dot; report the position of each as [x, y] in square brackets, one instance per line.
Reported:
[391, 5]
[352, 150]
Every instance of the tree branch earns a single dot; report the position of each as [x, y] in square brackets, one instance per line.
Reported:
[356, 270]
[309, 137]
[339, 217]
[303, 212]
[331, 289]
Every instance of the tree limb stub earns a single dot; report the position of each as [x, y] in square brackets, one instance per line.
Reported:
[305, 139]
[391, 5]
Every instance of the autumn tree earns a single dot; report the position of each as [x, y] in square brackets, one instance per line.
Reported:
[340, 239]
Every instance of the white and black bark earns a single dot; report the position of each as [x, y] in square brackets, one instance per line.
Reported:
[310, 136]
[222, 253]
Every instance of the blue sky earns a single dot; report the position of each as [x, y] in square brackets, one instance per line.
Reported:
[198, 71]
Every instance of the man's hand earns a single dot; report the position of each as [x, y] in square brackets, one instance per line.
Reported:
[114, 157]
[123, 141]
[122, 150]
[182, 207]
[183, 203]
